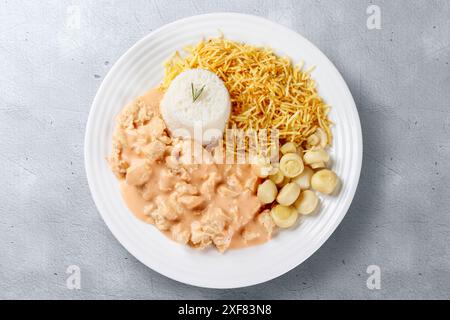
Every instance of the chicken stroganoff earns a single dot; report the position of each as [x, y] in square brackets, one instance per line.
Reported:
[209, 202]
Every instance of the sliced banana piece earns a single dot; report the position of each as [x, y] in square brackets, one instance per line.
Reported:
[323, 137]
[318, 140]
[313, 140]
[315, 156]
[324, 181]
[277, 178]
[288, 194]
[262, 167]
[284, 217]
[267, 192]
[318, 165]
[304, 179]
[307, 202]
[288, 147]
[291, 165]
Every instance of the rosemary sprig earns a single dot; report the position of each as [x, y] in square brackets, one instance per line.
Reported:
[196, 93]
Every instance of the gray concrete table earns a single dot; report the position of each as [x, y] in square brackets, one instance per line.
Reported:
[53, 57]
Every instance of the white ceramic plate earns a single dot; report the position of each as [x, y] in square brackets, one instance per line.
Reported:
[140, 69]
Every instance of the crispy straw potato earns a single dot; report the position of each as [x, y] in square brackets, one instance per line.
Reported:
[266, 91]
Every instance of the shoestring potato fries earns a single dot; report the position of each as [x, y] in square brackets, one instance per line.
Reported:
[267, 91]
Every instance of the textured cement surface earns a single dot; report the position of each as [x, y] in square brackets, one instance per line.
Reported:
[400, 77]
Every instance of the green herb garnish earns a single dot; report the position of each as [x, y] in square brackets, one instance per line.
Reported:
[196, 93]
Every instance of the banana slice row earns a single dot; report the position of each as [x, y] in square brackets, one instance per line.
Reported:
[288, 185]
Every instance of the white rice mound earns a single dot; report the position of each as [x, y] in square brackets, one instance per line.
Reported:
[208, 115]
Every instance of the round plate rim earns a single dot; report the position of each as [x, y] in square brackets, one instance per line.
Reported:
[104, 215]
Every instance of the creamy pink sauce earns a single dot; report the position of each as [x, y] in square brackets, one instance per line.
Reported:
[233, 191]
[246, 207]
